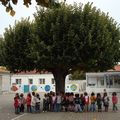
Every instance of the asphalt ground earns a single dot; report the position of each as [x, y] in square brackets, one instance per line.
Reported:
[7, 113]
[70, 116]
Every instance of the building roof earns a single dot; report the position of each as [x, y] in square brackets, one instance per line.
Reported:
[115, 69]
[34, 72]
[3, 70]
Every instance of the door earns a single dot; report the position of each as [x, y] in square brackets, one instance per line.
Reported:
[26, 88]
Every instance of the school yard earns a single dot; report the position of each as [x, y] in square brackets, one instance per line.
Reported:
[7, 113]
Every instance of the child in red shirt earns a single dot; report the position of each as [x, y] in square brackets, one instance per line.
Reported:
[114, 101]
[16, 104]
[28, 102]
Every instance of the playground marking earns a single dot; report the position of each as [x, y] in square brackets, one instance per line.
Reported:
[18, 116]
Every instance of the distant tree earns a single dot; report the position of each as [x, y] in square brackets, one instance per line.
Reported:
[18, 41]
[64, 39]
[77, 75]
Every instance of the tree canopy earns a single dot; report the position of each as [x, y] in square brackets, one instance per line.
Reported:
[73, 37]
[63, 39]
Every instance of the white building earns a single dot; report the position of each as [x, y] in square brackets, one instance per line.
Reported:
[4, 80]
[76, 86]
[97, 82]
[42, 82]
[28, 82]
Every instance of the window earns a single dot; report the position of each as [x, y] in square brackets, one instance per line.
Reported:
[30, 81]
[91, 84]
[102, 82]
[91, 81]
[116, 81]
[41, 81]
[111, 79]
[18, 81]
[53, 81]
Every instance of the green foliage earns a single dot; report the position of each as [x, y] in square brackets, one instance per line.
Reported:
[76, 37]
[18, 41]
[78, 75]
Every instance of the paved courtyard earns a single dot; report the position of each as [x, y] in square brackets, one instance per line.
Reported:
[7, 113]
[70, 116]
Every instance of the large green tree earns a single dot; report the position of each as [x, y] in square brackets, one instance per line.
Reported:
[75, 37]
[64, 39]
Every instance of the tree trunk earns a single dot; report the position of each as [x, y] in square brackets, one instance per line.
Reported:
[59, 76]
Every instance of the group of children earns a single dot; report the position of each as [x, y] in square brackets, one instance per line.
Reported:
[64, 102]
[32, 102]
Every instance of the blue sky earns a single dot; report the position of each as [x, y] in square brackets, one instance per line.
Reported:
[111, 6]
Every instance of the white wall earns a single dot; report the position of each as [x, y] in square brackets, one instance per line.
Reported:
[35, 78]
[24, 81]
[4, 82]
[80, 86]
[92, 78]
[69, 84]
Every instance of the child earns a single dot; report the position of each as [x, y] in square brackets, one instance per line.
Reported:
[54, 102]
[93, 100]
[28, 102]
[106, 102]
[82, 102]
[58, 102]
[22, 102]
[114, 101]
[71, 100]
[77, 103]
[86, 98]
[16, 104]
[37, 102]
[50, 101]
[63, 101]
[46, 103]
[66, 101]
[99, 102]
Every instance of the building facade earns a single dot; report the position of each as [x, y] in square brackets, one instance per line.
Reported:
[42, 82]
[32, 82]
[98, 82]
[4, 80]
